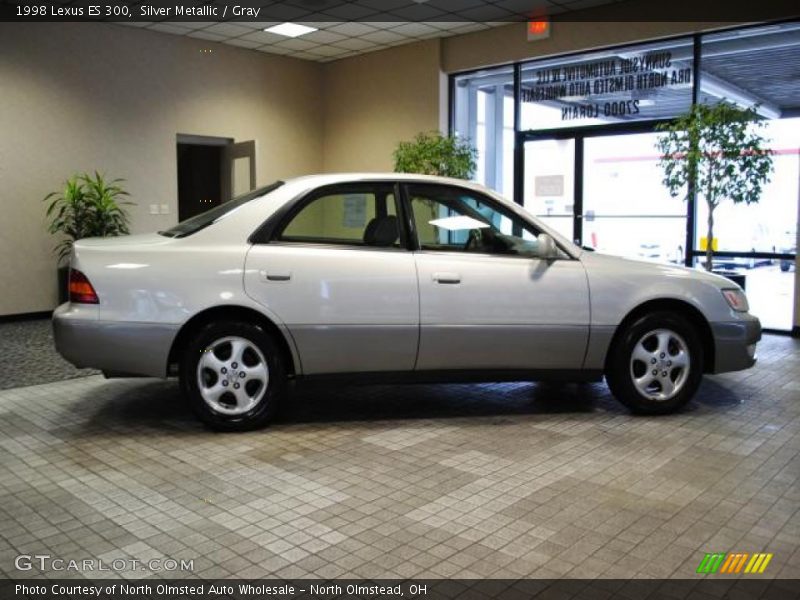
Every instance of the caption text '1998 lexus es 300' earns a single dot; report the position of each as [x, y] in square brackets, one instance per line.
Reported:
[403, 276]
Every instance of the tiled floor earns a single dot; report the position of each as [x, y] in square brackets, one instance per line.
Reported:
[507, 480]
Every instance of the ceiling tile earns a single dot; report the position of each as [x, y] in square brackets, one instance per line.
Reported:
[414, 29]
[242, 43]
[383, 37]
[354, 44]
[453, 6]
[328, 51]
[203, 35]
[487, 12]
[263, 37]
[324, 37]
[527, 7]
[296, 44]
[257, 24]
[352, 29]
[228, 30]
[385, 24]
[468, 28]
[417, 12]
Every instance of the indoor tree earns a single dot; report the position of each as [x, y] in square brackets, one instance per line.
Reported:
[431, 153]
[720, 150]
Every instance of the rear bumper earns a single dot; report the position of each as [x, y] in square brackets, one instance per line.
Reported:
[120, 347]
[735, 343]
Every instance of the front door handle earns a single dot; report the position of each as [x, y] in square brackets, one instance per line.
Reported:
[275, 276]
[447, 278]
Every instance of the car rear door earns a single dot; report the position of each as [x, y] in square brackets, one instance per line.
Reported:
[490, 303]
[339, 276]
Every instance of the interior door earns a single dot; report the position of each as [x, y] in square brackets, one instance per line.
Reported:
[486, 300]
[340, 278]
[238, 169]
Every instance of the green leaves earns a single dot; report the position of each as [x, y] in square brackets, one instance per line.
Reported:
[719, 148]
[431, 153]
[88, 206]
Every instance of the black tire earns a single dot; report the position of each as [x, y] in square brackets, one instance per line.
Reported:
[622, 367]
[265, 400]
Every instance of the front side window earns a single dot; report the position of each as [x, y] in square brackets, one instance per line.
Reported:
[365, 216]
[455, 220]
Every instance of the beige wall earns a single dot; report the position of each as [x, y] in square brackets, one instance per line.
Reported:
[92, 96]
[375, 100]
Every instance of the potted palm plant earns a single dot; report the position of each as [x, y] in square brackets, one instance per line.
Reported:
[431, 153]
[720, 150]
[87, 206]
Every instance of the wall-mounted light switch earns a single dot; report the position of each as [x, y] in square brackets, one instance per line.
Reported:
[165, 209]
[154, 209]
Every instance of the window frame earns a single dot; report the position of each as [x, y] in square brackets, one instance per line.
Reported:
[274, 228]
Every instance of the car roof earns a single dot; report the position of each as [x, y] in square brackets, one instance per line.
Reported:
[333, 178]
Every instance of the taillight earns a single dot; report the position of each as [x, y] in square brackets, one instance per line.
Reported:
[80, 290]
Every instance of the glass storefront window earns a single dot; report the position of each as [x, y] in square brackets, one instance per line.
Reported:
[634, 83]
[748, 67]
[484, 114]
[616, 202]
[626, 209]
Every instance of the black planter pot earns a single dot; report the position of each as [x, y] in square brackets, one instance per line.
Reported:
[735, 276]
[63, 278]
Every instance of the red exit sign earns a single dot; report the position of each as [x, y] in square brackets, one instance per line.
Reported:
[538, 29]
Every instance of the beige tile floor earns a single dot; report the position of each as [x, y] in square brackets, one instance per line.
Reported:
[470, 481]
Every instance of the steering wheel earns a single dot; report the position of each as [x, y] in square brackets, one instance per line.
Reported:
[474, 240]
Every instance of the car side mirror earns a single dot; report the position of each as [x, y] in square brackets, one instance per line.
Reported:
[546, 247]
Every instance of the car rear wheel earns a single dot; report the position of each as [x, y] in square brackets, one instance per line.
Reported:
[233, 376]
[656, 364]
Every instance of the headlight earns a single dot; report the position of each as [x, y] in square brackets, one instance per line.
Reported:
[736, 299]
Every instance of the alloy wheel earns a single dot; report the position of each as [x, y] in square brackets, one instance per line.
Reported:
[660, 364]
[232, 375]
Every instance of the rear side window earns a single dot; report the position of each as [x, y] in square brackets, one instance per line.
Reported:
[198, 222]
[353, 216]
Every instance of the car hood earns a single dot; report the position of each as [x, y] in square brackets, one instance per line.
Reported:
[648, 268]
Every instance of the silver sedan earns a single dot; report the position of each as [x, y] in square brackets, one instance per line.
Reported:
[387, 276]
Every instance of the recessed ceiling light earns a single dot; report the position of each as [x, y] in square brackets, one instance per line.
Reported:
[290, 29]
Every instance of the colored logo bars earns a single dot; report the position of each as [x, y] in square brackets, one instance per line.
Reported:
[734, 563]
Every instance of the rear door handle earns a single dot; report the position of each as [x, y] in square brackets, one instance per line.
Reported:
[275, 276]
[447, 278]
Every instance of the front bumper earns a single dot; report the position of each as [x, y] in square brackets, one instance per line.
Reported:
[117, 347]
[735, 343]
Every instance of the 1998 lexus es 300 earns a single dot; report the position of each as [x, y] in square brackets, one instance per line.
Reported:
[387, 275]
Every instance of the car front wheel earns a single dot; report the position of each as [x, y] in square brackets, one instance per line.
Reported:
[656, 364]
[233, 376]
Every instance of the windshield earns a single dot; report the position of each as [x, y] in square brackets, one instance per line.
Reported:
[198, 222]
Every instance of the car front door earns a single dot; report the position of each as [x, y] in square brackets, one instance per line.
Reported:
[486, 300]
[338, 274]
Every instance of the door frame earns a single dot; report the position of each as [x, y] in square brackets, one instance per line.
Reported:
[579, 135]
